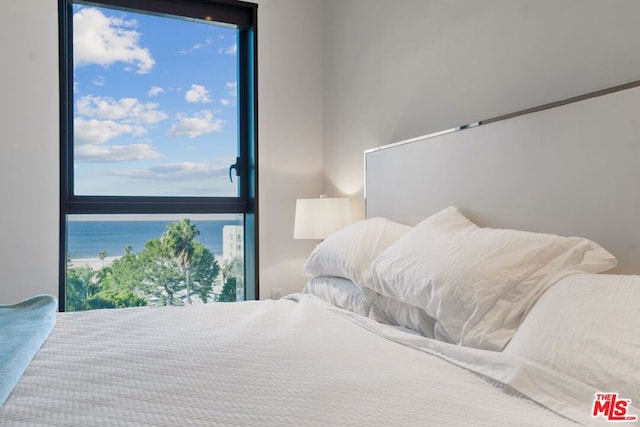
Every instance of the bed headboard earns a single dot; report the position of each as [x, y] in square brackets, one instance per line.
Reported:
[573, 169]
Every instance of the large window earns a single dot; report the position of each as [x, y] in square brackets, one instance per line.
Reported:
[158, 152]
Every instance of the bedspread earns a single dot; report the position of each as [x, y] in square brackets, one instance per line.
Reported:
[295, 362]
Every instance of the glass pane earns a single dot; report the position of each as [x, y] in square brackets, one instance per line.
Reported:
[116, 261]
[155, 105]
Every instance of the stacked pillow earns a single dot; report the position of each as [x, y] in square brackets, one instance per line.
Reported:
[349, 252]
[338, 264]
[339, 292]
[449, 278]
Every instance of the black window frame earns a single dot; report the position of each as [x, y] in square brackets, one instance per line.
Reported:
[243, 16]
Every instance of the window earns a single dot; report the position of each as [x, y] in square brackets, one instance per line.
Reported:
[158, 152]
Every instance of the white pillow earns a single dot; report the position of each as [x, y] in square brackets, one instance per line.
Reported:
[342, 293]
[588, 327]
[478, 282]
[393, 312]
[345, 294]
[349, 252]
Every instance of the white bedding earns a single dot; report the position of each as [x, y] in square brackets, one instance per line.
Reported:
[339, 292]
[283, 362]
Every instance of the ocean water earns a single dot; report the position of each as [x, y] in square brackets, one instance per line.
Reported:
[86, 239]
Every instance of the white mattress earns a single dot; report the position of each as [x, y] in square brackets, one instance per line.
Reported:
[264, 363]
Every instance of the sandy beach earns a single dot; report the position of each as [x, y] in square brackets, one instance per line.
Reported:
[94, 263]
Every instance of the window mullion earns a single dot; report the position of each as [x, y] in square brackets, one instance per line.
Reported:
[138, 205]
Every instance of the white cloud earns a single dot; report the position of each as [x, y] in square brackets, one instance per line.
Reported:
[91, 134]
[179, 171]
[198, 46]
[93, 153]
[232, 88]
[155, 91]
[88, 132]
[99, 81]
[202, 45]
[127, 110]
[206, 43]
[102, 40]
[180, 178]
[196, 125]
[186, 170]
[197, 94]
[232, 50]
[105, 119]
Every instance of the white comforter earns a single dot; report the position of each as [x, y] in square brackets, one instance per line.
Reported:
[288, 362]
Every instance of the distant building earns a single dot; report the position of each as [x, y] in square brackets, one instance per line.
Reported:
[232, 242]
[233, 256]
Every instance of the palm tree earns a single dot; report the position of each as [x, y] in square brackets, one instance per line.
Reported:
[179, 238]
[102, 255]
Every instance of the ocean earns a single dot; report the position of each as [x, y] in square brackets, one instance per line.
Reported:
[86, 239]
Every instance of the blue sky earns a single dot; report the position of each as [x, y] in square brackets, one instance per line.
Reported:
[155, 105]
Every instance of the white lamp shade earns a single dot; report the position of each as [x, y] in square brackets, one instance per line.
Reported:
[319, 218]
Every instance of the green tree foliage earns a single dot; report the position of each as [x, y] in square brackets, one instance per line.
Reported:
[115, 299]
[80, 285]
[123, 274]
[228, 293]
[166, 272]
[179, 240]
[159, 275]
[233, 273]
[204, 271]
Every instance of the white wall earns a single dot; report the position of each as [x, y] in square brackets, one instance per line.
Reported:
[399, 69]
[290, 123]
[29, 149]
[290, 138]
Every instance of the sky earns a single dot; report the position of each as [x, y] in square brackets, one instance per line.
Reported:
[155, 105]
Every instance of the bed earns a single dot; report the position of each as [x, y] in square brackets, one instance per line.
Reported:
[449, 305]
